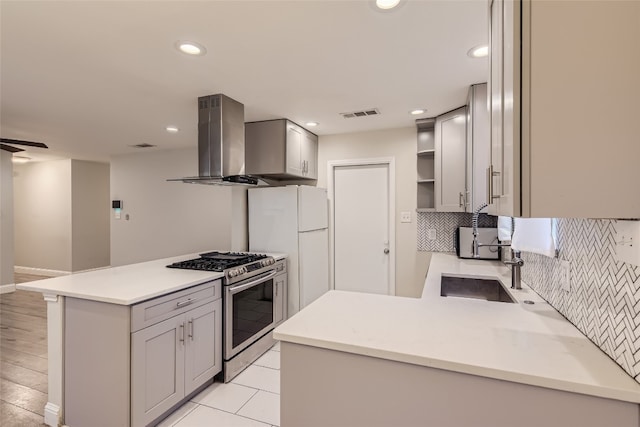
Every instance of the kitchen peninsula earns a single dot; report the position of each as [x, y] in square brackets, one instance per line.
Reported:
[128, 344]
[377, 360]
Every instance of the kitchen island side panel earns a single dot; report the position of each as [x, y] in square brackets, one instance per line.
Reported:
[355, 390]
[97, 364]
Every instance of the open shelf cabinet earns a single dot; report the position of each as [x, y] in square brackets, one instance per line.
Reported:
[425, 165]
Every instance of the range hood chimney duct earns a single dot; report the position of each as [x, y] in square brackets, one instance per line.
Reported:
[220, 142]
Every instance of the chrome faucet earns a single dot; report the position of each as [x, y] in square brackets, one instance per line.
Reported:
[516, 262]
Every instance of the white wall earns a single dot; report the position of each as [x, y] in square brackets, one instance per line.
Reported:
[6, 218]
[401, 144]
[42, 206]
[171, 218]
[90, 215]
[61, 216]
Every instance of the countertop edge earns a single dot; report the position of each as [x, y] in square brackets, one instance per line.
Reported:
[463, 368]
[97, 298]
[67, 288]
[298, 335]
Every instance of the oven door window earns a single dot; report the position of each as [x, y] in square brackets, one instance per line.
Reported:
[252, 311]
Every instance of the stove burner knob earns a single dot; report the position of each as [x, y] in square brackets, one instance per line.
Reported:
[243, 270]
[233, 273]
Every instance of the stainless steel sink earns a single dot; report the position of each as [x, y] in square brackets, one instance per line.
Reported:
[471, 287]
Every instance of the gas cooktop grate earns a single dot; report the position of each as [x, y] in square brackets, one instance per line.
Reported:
[217, 261]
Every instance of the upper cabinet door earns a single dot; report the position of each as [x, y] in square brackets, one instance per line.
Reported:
[310, 155]
[294, 150]
[502, 176]
[450, 161]
[563, 108]
[478, 146]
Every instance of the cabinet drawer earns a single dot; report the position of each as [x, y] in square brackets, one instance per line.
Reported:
[158, 309]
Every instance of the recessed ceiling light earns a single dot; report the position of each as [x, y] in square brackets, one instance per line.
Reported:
[312, 124]
[418, 111]
[172, 129]
[191, 48]
[479, 51]
[20, 159]
[387, 4]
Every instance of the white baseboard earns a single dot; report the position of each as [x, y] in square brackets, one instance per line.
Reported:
[5, 289]
[52, 414]
[40, 271]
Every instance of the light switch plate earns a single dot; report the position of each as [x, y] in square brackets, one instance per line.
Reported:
[431, 234]
[628, 241]
[405, 216]
[565, 279]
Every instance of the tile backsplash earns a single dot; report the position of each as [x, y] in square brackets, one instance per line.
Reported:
[604, 300]
[445, 223]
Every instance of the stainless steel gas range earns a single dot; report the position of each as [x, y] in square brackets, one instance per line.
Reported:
[254, 303]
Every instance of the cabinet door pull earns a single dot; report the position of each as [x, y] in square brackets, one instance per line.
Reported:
[490, 175]
[461, 199]
[276, 288]
[489, 185]
[191, 329]
[182, 333]
[184, 303]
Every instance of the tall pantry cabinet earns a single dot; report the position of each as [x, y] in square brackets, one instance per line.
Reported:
[564, 93]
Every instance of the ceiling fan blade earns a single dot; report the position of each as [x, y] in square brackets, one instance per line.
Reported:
[20, 142]
[10, 148]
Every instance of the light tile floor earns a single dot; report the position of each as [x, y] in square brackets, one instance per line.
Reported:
[252, 399]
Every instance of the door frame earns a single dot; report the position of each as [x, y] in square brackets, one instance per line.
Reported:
[391, 165]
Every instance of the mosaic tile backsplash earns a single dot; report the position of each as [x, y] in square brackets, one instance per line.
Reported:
[445, 223]
[604, 300]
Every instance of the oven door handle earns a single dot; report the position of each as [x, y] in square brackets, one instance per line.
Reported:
[239, 288]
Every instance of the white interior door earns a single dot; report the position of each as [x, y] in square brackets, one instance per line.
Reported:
[362, 237]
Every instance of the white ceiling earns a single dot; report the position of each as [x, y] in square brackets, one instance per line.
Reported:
[91, 78]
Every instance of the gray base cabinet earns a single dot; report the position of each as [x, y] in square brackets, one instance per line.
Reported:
[157, 370]
[280, 296]
[171, 359]
[128, 366]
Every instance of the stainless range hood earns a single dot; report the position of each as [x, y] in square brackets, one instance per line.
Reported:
[220, 143]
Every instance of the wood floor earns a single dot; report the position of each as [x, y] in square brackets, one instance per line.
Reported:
[23, 356]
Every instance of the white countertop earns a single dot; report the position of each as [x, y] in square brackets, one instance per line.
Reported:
[530, 344]
[128, 284]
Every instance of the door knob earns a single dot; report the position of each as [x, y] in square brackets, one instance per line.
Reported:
[386, 250]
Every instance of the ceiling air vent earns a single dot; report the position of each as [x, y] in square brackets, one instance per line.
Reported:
[143, 145]
[363, 113]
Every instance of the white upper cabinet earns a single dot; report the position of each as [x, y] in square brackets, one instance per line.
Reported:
[478, 150]
[450, 161]
[564, 91]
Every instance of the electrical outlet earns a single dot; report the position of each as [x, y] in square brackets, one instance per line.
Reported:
[405, 216]
[431, 234]
[628, 241]
[565, 278]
